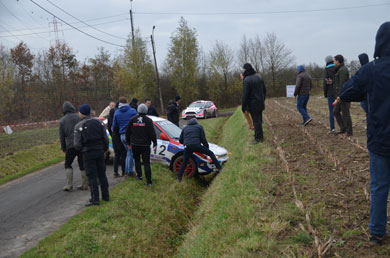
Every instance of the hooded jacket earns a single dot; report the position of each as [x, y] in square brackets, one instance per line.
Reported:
[66, 125]
[140, 131]
[193, 133]
[303, 84]
[373, 81]
[173, 112]
[363, 59]
[253, 92]
[122, 117]
[329, 73]
[90, 135]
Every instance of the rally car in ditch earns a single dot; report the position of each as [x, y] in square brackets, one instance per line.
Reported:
[170, 151]
[200, 109]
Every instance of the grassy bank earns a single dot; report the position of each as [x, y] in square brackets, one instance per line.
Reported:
[26, 161]
[248, 210]
[139, 221]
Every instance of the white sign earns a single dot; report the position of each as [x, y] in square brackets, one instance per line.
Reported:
[7, 129]
[290, 90]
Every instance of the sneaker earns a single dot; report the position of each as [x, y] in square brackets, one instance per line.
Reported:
[332, 131]
[307, 122]
[139, 177]
[178, 180]
[92, 204]
[376, 239]
[150, 184]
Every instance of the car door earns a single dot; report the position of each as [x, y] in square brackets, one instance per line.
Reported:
[161, 153]
[208, 109]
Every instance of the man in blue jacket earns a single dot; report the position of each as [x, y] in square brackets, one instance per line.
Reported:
[192, 137]
[122, 117]
[373, 81]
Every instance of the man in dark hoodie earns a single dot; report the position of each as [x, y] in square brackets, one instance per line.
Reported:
[253, 97]
[122, 117]
[173, 113]
[303, 86]
[373, 81]
[139, 134]
[329, 92]
[90, 137]
[192, 137]
[66, 133]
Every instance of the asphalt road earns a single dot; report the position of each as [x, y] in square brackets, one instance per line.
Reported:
[35, 205]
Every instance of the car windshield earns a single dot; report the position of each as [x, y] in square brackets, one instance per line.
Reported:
[196, 104]
[171, 129]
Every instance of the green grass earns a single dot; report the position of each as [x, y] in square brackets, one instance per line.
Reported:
[26, 161]
[227, 109]
[24, 140]
[248, 210]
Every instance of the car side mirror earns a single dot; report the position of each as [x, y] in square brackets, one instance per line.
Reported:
[163, 137]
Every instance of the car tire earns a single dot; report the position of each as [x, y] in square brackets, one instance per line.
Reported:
[190, 171]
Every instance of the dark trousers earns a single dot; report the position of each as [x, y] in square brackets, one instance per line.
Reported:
[189, 149]
[70, 155]
[120, 153]
[144, 153]
[95, 167]
[257, 118]
[343, 117]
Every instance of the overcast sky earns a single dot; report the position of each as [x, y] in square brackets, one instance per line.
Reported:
[348, 29]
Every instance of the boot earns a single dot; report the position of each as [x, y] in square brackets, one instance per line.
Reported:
[69, 179]
[84, 184]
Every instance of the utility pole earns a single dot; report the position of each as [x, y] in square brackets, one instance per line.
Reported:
[155, 66]
[132, 23]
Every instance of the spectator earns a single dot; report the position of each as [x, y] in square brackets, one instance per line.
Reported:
[253, 97]
[363, 59]
[151, 110]
[119, 149]
[341, 108]
[122, 117]
[373, 81]
[106, 111]
[66, 133]
[302, 92]
[90, 137]
[173, 111]
[139, 135]
[133, 103]
[329, 91]
[192, 137]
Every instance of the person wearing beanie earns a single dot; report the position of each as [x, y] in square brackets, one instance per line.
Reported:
[90, 137]
[66, 134]
[253, 98]
[139, 135]
[329, 92]
[122, 117]
[173, 113]
[303, 86]
[373, 82]
[341, 108]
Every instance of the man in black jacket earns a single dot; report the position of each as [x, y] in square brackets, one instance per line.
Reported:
[192, 137]
[303, 86]
[329, 91]
[151, 110]
[139, 134]
[90, 137]
[66, 133]
[173, 111]
[253, 97]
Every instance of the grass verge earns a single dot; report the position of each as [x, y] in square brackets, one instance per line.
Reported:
[23, 162]
[248, 210]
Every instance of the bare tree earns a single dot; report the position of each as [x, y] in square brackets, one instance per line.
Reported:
[243, 52]
[221, 61]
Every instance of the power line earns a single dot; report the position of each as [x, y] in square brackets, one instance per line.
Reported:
[84, 22]
[12, 35]
[67, 23]
[264, 12]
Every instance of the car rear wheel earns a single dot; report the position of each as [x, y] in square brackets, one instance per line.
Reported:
[190, 169]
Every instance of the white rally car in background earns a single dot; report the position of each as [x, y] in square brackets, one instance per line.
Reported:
[170, 152]
[200, 109]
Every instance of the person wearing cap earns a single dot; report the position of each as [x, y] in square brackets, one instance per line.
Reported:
[90, 137]
[66, 134]
[329, 92]
[253, 98]
[173, 113]
[373, 81]
[139, 135]
[303, 86]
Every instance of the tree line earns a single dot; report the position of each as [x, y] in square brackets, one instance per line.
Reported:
[33, 86]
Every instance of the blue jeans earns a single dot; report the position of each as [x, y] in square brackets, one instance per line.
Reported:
[331, 117]
[129, 156]
[301, 106]
[380, 183]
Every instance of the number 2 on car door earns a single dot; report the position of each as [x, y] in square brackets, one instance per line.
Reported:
[162, 149]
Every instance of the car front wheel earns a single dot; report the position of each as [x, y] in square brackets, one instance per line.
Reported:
[190, 169]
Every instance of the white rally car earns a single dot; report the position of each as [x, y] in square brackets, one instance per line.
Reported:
[170, 152]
